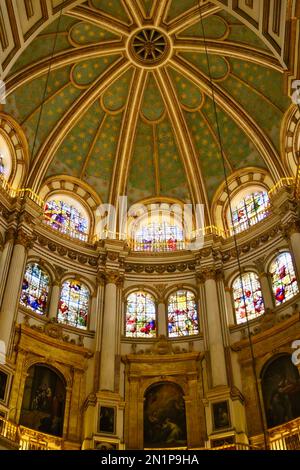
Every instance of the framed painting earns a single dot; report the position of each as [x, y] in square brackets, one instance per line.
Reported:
[221, 416]
[107, 419]
[101, 445]
[4, 379]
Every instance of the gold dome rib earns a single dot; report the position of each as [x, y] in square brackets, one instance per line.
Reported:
[228, 49]
[127, 137]
[134, 11]
[239, 115]
[185, 144]
[62, 128]
[99, 19]
[60, 60]
[160, 9]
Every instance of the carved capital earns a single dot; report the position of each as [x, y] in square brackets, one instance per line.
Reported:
[23, 239]
[210, 273]
[10, 235]
[114, 277]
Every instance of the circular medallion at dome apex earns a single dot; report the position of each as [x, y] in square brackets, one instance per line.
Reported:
[149, 47]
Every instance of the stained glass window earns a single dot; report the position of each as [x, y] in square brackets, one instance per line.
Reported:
[140, 315]
[182, 314]
[250, 210]
[284, 282]
[35, 289]
[159, 237]
[73, 305]
[66, 218]
[1, 165]
[247, 295]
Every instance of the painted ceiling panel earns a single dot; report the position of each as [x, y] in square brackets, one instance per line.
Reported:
[189, 94]
[173, 181]
[115, 98]
[214, 27]
[114, 8]
[85, 33]
[239, 150]
[85, 73]
[76, 147]
[153, 106]
[177, 7]
[99, 169]
[141, 180]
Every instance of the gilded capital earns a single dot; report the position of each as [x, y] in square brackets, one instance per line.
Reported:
[23, 239]
[113, 277]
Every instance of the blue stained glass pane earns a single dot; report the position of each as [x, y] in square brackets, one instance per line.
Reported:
[250, 210]
[140, 315]
[73, 304]
[182, 314]
[248, 300]
[159, 237]
[284, 282]
[1, 166]
[66, 219]
[35, 289]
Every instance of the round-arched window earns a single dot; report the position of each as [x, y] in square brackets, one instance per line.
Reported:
[140, 315]
[247, 296]
[66, 215]
[283, 278]
[35, 289]
[248, 210]
[73, 306]
[182, 314]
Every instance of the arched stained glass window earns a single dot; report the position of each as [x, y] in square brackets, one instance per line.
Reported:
[6, 160]
[250, 210]
[35, 289]
[1, 165]
[73, 305]
[140, 315]
[159, 236]
[283, 277]
[247, 295]
[66, 218]
[182, 314]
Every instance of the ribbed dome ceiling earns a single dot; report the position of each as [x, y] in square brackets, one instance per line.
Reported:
[128, 105]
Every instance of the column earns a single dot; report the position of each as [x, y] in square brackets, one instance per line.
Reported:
[215, 337]
[108, 347]
[5, 258]
[161, 318]
[229, 306]
[12, 290]
[55, 295]
[264, 283]
[294, 233]
[266, 292]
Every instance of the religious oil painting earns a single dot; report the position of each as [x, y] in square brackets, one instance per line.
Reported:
[281, 391]
[221, 416]
[164, 416]
[107, 419]
[3, 385]
[43, 401]
[105, 446]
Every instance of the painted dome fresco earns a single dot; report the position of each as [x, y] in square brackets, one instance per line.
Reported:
[129, 96]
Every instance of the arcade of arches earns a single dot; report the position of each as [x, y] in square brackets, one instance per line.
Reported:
[156, 333]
